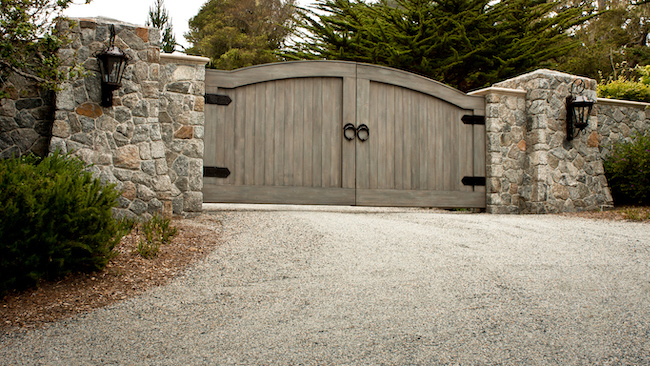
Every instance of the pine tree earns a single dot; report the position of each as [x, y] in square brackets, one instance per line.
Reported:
[239, 33]
[464, 43]
[159, 18]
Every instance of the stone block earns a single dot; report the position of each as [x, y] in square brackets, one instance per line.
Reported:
[183, 87]
[149, 168]
[25, 119]
[129, 190]
[183, 72]
[193, 149]
[193, 201]
[162, 183]
[7, 124]
[185, 132]
[127, 157]
[157, 149]
[91, 110]
[138, 207]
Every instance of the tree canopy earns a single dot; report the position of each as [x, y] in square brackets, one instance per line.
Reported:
[464, 43]
[238, 33]
[615, 41]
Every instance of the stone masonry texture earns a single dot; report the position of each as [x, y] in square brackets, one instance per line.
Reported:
[150, 142]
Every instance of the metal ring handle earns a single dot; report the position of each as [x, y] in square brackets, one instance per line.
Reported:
[349, 127]
[361, 131]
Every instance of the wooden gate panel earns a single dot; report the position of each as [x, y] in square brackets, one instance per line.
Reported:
[418, 150]
[278, 133]
[282, 137]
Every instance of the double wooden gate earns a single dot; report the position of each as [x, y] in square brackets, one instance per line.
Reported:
[341, 133]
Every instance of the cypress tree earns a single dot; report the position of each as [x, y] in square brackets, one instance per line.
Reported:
[464, 43]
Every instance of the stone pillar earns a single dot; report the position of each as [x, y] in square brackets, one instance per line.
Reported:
[551, 173]
[505, 125]
[182, 121]
[128, 143]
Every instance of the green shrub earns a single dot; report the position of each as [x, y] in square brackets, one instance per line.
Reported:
[55, 218]
[155, 232]
[628, 172]
[626, 88]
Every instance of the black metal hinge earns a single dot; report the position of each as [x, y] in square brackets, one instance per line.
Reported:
[215, 172]
[473, 181]
[473, 120]
[218, 99]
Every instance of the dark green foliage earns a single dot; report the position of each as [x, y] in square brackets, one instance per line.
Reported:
[628, 172]
[157, 231]
[463, 43]
[239, 33]
[159, 18]
[55, 218]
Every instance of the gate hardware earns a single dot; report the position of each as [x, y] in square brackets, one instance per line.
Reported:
[349, 127]
[473, 181]
[218, 99]
[473, 120]
[365, 130]
[215, 172]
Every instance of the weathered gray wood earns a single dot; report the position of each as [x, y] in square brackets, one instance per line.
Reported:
[284, 130]
[317, 134]
[228, 138]
[278, 194]
[421, 84]
[419, 198]
[259, 133]
[363, 158]
[348, 151]
[278, 136]
[269, 133]
[479, 144]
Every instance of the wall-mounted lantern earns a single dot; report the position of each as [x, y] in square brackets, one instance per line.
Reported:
[578, 109]
[112, 62]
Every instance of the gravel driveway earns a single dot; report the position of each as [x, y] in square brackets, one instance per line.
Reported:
[307, 285]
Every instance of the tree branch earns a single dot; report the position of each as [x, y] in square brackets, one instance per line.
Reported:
[22, 73]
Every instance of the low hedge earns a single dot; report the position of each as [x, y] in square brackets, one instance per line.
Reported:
[628, 172]
[55, 218]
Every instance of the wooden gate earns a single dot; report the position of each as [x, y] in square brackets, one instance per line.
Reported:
[341, 133]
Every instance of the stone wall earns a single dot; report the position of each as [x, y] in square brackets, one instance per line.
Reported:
[531, 166]
[25, 118]
[149, 142]
[619, 121]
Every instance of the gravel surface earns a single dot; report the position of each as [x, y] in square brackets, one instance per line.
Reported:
[309, 285]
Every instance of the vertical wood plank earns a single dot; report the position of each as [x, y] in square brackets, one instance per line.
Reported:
[380, 152]
[259, 133]
[240, 136]
[278, 138]
[335, 124]
[317, 134]
[432, 146]
[269, 132]
[348, 155]
[407, 101]
[229, 137]
[327, 131]
[390, 137]
[479, 154]
[415, 140]
[298, 132]
[423, 121]
[374, 139]
[466, 151]
[399, 138]
[308, 126]
[363, 114]
[290, 95]
[440, 137]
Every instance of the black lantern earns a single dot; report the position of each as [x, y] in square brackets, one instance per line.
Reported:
[112, 62]
[578, 109]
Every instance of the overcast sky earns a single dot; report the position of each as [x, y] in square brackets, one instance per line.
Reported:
[137, 11]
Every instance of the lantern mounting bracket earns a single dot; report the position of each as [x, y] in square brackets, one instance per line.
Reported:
[112, 63]
[578, 109]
